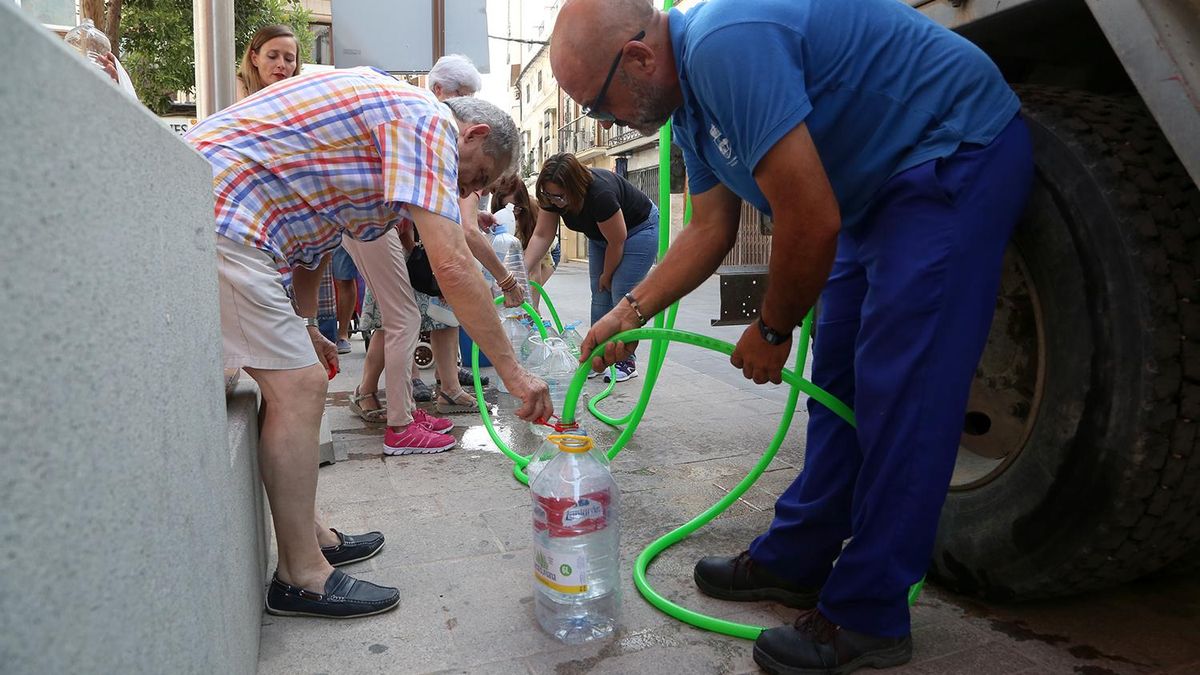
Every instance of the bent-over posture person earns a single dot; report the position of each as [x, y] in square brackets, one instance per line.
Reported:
[894, 161]
[297, 166]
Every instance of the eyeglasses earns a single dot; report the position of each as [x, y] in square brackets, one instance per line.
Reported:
[557, 199]
[592, 110]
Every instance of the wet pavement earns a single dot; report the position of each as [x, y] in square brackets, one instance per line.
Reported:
[458, 546]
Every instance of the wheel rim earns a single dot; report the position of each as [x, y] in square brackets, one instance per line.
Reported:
[1007, 390]
[423, 356]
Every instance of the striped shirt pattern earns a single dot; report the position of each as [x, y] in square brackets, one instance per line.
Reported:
[304, 161]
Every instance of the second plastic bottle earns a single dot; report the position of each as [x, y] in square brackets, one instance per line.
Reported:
[576, 544]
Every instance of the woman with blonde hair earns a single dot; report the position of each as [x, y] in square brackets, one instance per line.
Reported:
[620, 222]
[273, 55]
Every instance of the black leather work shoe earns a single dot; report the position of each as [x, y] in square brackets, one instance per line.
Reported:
[815, 645]
[354, 547]
[345, 598]
[741, 580]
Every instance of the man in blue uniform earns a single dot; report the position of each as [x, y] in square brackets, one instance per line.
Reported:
[893, 159]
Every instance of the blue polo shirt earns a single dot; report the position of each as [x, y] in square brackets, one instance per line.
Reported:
[881, 88]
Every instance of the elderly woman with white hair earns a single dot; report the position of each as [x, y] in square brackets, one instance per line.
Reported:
[454, 75]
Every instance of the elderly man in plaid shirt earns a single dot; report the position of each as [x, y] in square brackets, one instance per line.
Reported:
[296, 167]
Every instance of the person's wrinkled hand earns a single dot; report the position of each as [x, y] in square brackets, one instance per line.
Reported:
[109, 65]
[514, 296]
[326, 350]
[758, 359]
[486, 220]
[621, 318]
[533, 393]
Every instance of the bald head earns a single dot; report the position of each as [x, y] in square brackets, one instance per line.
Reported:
[587, 39]
[586, 29]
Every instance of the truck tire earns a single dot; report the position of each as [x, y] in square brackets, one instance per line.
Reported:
[1079, 466]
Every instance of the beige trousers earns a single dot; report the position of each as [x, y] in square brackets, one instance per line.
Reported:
[382, 264]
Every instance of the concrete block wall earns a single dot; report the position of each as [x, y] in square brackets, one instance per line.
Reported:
[131, 527]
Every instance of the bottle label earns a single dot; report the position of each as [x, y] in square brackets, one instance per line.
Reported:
[562, 573]
[567, 517]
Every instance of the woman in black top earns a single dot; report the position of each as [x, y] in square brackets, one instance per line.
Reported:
[620, 222]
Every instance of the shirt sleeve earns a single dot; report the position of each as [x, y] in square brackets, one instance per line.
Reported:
[419, 161]
[700, 177]
[754, 115]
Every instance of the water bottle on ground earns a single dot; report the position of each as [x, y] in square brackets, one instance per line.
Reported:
[548, 449]
[557, 369]
[551, 360]
[89, 41]
[517, 332]
[572, 337]
[576, 544]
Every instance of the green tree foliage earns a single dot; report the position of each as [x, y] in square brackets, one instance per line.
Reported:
[158, 48]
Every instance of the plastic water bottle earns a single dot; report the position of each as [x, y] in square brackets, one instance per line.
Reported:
[89, 41]
[506, 221]
[557, 369]
[442, 312]
[508, 250]
[573, 339]
[548, 449]
[576, 544]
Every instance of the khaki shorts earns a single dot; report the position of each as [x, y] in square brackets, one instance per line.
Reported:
[259, 327]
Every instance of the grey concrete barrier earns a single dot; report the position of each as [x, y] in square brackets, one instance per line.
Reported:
[131, 522]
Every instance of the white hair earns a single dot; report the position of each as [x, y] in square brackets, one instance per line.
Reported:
[455, 72]
[503, 142]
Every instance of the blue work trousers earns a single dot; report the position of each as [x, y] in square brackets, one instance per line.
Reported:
[902, 323]
[641, 249]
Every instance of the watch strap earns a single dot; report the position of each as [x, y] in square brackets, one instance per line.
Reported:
[770, 335]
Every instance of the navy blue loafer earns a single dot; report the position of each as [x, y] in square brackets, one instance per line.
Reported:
[353, 548]
[344, 598]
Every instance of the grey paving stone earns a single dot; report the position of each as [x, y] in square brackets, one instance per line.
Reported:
[414, 541]
[933, 640]
[389, 643]
[992, 658]
[668, 649]
[515, 666]
[341, 515]
[352, 481]
[512, 527]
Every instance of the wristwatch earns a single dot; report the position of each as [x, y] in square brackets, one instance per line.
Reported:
[770, 335]
[311, 321]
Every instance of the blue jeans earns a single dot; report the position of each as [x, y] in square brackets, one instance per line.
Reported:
[903, 322]
[641, 248]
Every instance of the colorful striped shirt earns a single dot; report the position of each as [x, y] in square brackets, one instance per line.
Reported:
[306, 160]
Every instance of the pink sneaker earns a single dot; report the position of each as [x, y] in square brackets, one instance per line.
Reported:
[438, 425]
[415, 439]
